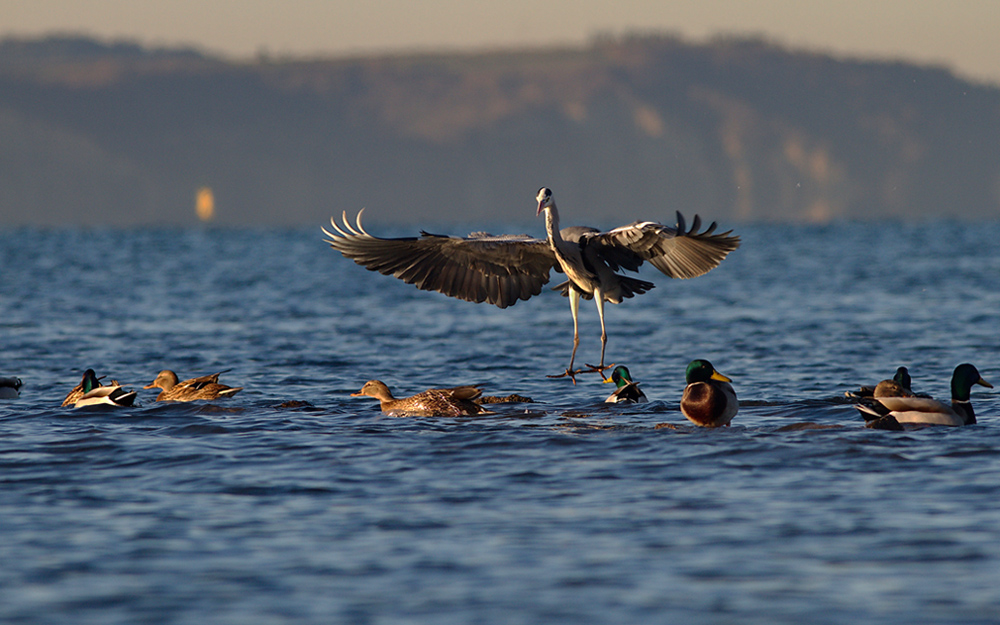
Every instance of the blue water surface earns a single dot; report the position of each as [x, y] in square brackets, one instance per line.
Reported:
[294, 502]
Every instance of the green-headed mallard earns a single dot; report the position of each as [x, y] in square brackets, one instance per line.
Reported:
[206, 387]
[628, 392]
[435, 402]
[77, 391]
[10, 388]
[926, 410]
[709, 399]
[91, 393]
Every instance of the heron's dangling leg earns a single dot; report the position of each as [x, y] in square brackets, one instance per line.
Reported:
[574, 307]
[599, 298]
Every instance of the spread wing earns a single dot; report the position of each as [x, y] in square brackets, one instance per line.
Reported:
[479, 268]
[676, 251]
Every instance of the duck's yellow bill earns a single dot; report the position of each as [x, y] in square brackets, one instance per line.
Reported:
[718, 376]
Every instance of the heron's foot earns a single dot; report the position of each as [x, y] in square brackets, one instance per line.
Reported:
[568, 373]
[598, 369]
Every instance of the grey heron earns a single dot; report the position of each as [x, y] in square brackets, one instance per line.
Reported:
[504, 269]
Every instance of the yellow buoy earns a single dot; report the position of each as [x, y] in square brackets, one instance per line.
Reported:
[204, 204]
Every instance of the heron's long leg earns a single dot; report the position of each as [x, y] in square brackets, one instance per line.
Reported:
[574, 307]
[604, 336]
[599, 298]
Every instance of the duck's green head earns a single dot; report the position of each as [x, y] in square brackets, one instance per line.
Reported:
[89, 381]
[962, 381]
[902, 378]
[702, 371]
[620, 376]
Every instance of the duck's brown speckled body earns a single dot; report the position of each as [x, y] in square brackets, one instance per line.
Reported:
[435, 402]
[898, 386]
[206, 387]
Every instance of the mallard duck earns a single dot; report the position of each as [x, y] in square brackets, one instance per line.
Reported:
[709, 399]
[926, 410]
[898, 386]
[628, 392]
[206, 387]
[93, 394]
[435, 402]
[77, 391]
[10, 388]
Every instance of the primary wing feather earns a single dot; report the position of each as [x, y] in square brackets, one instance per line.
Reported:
[478, 268]
[676, 251]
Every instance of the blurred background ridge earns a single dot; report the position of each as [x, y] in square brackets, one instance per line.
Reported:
[734, 128]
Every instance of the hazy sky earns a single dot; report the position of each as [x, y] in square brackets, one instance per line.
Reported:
[962, 34]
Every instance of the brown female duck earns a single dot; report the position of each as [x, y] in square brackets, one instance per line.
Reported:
[898, 386]
[435, 402]
[206, 387]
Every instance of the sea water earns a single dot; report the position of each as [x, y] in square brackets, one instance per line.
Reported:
[295, 502]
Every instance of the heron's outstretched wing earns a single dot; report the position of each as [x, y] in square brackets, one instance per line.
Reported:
[676, 251]
[479, 268]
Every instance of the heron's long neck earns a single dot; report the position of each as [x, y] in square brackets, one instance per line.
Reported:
[552, 225]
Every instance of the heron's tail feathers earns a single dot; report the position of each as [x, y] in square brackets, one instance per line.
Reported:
[627, 287]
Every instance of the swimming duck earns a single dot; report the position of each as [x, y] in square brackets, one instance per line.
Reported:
[93, 394]
[930, 411]
[628, 392]
[435, 402]
[206, 387]
[898, 386]
[10, 388]
[709, 400]
[77, 391]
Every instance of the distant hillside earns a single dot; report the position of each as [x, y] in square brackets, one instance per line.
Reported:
[620, 129]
